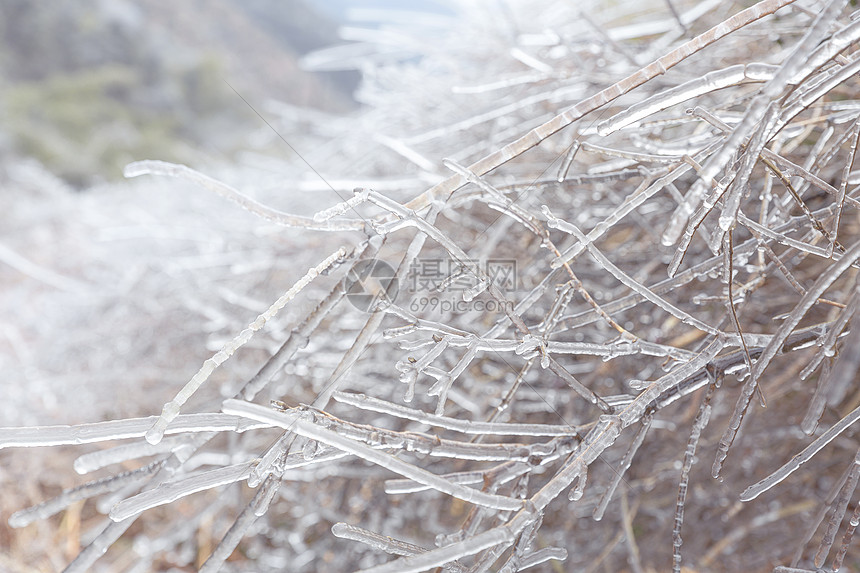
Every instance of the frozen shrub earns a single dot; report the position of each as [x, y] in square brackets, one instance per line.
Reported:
[611, 328]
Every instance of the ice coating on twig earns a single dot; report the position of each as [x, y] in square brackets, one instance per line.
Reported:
[819, 398]
[801, 458]
[709, 82]
[853, 522]
[699, 423]
[656, 68]
[171, 409]
[313, 431]
[793, 66]
[618, 477]
[98, 487]
[623, 277]
[171, 491]
[152, 167]
[465, 426]
[775, 345]
[375, 540]
[119, 430]
[237, 530]
[840, 504]
[446, 554]
[359, 197]
[92, 461]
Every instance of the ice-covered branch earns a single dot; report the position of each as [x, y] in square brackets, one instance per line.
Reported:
[709, 82]
[171, 491]
[628, 281]
[773, 348]
[171, 409]
[121, 429]
[153, 167]
[387, 461]
[375, 540]
[498, 536]
[85, 491]
[634, 80]
[801, 458]
[465, 426]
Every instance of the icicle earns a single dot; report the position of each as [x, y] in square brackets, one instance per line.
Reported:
[568, 160]
[575, 494]
[473, 292]
[817, 404]
[689, 459]
[410, 371]
[833, 333]
[843, 374]
[601, 436]
[541, 556]
[309, 450]
[266, 464]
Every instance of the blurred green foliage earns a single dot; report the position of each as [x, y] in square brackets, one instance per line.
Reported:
[93, 120]
[83, 123]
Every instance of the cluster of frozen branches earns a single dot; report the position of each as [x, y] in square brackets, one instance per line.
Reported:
[683, 236]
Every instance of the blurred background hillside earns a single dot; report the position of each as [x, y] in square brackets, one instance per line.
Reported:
[90, 86]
